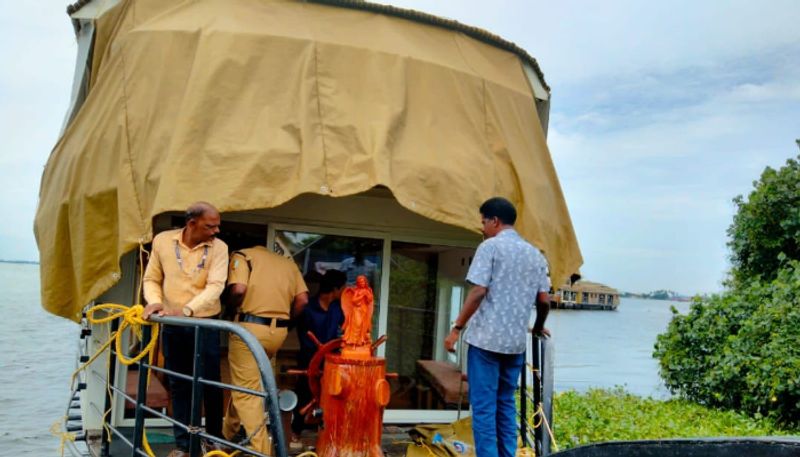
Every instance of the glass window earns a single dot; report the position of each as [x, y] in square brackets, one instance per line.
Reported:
[316, 253]
[427, 288]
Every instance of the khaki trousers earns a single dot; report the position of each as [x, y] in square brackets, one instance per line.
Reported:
[245, 409]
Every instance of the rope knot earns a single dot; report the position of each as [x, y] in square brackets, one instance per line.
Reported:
[133, 317]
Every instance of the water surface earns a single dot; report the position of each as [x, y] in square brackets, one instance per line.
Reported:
[610, 348]
[37, 356]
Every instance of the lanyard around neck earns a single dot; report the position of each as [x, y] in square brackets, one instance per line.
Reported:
[200, 265]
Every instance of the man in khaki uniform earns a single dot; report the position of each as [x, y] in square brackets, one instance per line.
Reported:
[185, 277]
[268, 290]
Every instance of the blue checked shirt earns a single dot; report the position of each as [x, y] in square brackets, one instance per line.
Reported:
[514, 272]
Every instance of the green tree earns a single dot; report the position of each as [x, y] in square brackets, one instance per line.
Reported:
[767, 224]
[740, 349]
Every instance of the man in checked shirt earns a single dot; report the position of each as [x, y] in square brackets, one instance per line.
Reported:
[508, 275]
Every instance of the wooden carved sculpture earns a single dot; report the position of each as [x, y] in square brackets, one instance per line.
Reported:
[352, 391]
[357, 304]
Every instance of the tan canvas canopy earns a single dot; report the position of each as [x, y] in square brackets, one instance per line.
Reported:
[249, 103]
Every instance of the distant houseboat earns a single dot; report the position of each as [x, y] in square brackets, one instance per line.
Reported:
[586, 295]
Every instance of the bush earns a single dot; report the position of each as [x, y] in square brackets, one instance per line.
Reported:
[739, 350]
[605, 415]
[767, 224]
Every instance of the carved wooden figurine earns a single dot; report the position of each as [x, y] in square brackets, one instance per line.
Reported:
[357, 305]
[354, 390]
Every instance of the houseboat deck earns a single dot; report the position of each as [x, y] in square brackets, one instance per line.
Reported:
[395, 440]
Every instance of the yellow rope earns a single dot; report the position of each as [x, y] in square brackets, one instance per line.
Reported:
[541, 417]
[308, 454]
[526, 452]
[218, 453]
[536, 414]
[403, 442]
[93, 358]
[550, 432]
[131, 318]
[64, 436]
[427, 448]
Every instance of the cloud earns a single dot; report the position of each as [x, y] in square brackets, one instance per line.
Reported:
[659, 156]
[580, 40]
[35, 87]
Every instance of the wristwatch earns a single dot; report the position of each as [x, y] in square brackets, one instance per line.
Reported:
[187, 311]
[458, 327]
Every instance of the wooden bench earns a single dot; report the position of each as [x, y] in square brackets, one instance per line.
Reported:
[446, 379]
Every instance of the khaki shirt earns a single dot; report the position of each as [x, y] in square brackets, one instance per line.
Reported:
[178, 284]
[271, 286]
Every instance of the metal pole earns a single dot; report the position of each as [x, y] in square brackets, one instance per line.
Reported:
[523, 401]
[105, 448]
[267, 377]
[141, 395]
[538, 432]
[197, 393]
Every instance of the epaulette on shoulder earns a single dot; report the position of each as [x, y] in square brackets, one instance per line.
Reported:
[247, 259]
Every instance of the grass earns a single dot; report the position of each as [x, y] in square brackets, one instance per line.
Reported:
[613, 414]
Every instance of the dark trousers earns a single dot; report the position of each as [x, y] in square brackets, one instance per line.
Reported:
[303, 397]
[178, 344]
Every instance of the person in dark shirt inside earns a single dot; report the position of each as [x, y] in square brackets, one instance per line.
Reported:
[322, 316]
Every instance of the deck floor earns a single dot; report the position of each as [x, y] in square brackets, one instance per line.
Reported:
[394, 441]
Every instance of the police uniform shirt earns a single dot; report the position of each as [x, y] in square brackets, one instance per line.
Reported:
[271, 285]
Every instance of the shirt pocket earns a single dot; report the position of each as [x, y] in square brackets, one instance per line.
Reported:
[200, 277]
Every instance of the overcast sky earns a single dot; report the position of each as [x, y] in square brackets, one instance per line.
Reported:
[661, 114]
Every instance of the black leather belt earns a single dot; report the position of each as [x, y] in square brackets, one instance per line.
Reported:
[252, 319]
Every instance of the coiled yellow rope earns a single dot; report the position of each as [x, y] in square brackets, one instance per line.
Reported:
[131, 318]
[64, 436]
[218, 453]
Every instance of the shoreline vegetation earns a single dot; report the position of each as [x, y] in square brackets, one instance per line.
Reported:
[657, 295]
[615, 415]
[20, 262]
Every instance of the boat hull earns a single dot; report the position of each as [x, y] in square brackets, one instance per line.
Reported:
[696, 447]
